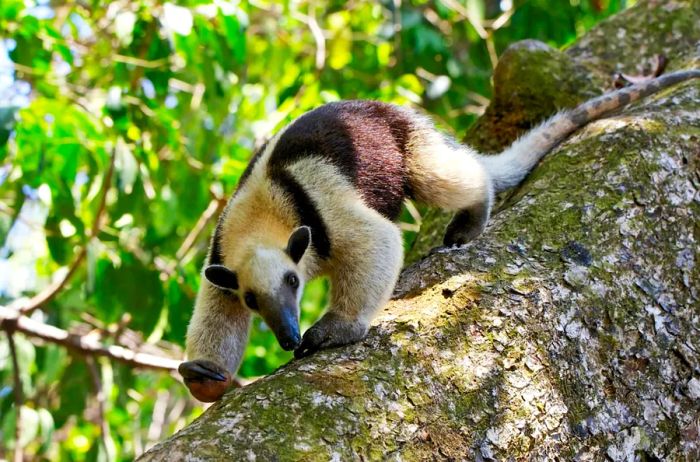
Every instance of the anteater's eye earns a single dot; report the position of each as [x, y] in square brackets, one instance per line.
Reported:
[250, 300]
[292, 280]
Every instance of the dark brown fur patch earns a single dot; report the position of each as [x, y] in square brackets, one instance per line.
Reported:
[579, 116]
[306, 210]
[365, 140]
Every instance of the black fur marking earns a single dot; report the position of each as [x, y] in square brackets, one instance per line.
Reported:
[306, 210]
[624, 98]
[365, 140]
[215, 255]
[579, 116]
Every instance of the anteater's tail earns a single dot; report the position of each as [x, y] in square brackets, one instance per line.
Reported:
[508, 168]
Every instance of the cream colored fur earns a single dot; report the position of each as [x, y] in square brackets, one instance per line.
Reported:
[443, 173]
[218, 330]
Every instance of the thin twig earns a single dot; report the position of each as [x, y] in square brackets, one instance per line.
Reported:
[491, 48]
[212, 209]
[96, 376]
[147, 111]
[501, 20]
[84, 344]
[485, 35]
[172, 268]
[397, 25]
[462, 11]
[155, 430]
[18, 455]
[413, 211]
[319, 38]
[27, 307]
[141, 62]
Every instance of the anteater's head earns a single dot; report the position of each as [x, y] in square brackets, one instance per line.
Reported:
[270, 283]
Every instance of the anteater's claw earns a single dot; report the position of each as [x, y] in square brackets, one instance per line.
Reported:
[206, 380]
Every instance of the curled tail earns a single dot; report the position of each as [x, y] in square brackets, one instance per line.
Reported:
[509, 167]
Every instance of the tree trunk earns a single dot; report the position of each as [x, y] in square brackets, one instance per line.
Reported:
[570, 329]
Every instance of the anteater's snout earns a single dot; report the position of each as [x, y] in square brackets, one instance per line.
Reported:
[288, 333]
[290, 342]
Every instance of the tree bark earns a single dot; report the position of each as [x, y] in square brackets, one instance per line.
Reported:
[569, 330]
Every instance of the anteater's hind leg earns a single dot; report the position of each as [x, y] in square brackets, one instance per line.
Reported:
[467, 224]
[445, 174]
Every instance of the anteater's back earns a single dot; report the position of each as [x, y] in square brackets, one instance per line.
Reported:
[365, 140]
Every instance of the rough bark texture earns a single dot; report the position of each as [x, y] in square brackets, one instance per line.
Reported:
[570, 330]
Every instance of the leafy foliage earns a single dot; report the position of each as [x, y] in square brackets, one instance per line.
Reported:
[176, 98]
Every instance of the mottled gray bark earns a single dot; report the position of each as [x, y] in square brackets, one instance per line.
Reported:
[570, 329]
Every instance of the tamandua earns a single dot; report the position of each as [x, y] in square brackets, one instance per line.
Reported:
[321, 198]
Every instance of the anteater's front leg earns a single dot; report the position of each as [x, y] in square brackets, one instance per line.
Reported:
[216, 339]
[366, 260]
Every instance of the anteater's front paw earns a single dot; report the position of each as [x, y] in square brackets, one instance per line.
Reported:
[330, 331]
[206, 380]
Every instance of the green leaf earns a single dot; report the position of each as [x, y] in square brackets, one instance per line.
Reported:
[128, 287]
[73, 388]
[29, 423]
[46, 429]
[7, 123]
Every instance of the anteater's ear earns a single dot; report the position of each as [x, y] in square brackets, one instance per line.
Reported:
[221, 277]
[298, 243]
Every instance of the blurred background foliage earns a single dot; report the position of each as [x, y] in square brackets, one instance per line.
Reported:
[124, 125]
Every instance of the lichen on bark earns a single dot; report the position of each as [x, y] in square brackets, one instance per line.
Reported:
[568, 330]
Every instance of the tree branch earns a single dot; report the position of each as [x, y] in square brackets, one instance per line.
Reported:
[84, 344]
[317, 33]
[12, 320]
[18, 455]
[96, 376]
